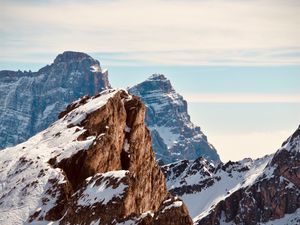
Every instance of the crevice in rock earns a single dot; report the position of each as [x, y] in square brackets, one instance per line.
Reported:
[71, 167]
[125, 160]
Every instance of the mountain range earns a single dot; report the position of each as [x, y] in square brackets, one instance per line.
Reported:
[98, 162]
[31, 101]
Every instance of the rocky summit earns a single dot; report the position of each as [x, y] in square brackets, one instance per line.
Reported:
[174, 136]
[95, 165]
[31, 101]
[265, 191]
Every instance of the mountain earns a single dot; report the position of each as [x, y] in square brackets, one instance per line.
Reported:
[174, 136]
[95, 165]
[262, 191]
[31, 101]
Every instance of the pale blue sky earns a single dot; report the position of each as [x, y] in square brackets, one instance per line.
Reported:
[236, 62]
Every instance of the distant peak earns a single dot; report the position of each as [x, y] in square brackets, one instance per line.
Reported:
[154, 82]
[70, 56]
[157, 77]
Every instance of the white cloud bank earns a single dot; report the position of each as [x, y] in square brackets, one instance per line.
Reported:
[204, 32]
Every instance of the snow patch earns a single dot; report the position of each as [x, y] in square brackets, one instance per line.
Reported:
[95, 68]
[175, 204]
[127, 129]
[79, 114]
[103, 193]
[166, 133]
[126, 146]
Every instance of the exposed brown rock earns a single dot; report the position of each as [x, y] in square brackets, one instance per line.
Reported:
[169, 215]
[122, 142]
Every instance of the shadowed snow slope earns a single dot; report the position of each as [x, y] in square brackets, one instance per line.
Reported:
[95, 165]
[262, 191]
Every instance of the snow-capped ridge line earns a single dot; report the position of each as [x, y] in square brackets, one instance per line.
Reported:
[232, 193]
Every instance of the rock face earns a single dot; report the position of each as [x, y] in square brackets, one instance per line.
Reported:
[174, 135]
[262, 191]
[31, 101]
[95, 165]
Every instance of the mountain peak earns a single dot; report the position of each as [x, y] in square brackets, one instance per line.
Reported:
[174, 136]
[72, 75]
[156, 82]
[157, 77]
[71, 56]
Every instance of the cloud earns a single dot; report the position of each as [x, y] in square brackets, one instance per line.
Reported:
[157, 32]
[241, 98]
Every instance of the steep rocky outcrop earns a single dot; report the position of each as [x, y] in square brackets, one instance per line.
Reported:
[95, 165]
[174, 136]
[262, 191]
[31, 101]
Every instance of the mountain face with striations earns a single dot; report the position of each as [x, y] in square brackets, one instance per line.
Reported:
[95, 165]
[174, 136]
[31, 101]
[265, 191]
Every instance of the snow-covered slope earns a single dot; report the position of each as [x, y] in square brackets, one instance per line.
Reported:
[31, 101]
[25, 172]
[174, 136]
[245, 192]
[78, 171]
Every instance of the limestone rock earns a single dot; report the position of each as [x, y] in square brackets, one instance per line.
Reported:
[95, 165]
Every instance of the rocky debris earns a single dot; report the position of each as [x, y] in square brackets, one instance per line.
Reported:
[95, 165]
[172, 211]
[174, 136]
[31, 101]
[246, 192]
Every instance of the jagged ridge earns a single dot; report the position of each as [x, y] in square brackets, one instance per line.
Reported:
[245, 192]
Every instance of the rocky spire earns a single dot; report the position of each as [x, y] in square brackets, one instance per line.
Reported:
[95, 165]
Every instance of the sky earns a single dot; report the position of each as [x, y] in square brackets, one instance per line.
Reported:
[236, 62]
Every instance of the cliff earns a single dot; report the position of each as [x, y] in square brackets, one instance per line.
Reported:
[31, 101]
[95, 165]
[174, 136]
